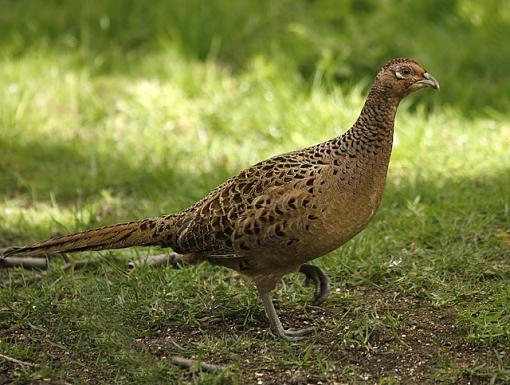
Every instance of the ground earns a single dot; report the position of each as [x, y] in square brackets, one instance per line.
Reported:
[426, 347]
[365, 335]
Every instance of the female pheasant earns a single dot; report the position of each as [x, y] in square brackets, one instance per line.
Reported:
[272, 218]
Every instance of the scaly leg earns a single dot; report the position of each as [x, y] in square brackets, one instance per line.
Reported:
[315, 275]
[276, 325]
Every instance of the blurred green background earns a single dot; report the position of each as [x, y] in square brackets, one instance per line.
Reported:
[463, 42]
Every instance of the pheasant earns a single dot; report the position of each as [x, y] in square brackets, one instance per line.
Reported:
[274, 217]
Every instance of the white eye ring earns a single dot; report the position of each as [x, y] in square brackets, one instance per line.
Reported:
[399, 75]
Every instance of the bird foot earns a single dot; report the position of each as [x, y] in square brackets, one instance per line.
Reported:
[294, 334]
[315, 276]
[276, 325]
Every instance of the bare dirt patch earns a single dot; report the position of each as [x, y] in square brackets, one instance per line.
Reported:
[425, 345]
[423, 348]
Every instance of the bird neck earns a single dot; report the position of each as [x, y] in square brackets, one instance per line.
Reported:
[377, 118]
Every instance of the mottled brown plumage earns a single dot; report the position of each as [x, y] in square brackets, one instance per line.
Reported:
[273, 217]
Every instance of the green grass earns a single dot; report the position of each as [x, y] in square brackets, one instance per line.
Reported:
[96, 129]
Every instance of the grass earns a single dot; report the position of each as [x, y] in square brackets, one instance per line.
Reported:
[92, 137]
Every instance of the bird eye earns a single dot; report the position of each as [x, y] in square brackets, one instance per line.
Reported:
[406, 71]
[403, 73]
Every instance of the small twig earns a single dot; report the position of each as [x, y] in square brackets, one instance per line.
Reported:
[27, 263]
[19, 362]
[153, 260]
[196, 365]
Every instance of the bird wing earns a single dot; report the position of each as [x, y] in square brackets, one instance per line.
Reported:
[278, 219]
[269, 204]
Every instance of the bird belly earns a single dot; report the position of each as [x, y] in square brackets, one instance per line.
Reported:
[341, 222]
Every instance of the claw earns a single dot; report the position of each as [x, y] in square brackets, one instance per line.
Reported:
[315, 275]
[300, 332]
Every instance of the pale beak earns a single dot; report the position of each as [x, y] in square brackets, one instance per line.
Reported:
[429, 80]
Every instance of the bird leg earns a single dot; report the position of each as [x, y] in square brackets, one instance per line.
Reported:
[177, 260]
[315, 275]
[276, 325]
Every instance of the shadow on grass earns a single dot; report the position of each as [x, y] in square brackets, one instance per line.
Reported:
[106, 34]
[109, 186]
[71, 170]
[486, 194]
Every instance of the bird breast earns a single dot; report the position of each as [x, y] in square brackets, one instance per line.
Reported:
[347, 210]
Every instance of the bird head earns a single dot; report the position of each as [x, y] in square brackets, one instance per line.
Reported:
[400, 77]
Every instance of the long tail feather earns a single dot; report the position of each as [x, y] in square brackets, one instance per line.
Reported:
[138, 233]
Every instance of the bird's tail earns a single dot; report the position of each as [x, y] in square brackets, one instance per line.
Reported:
[138, 233]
